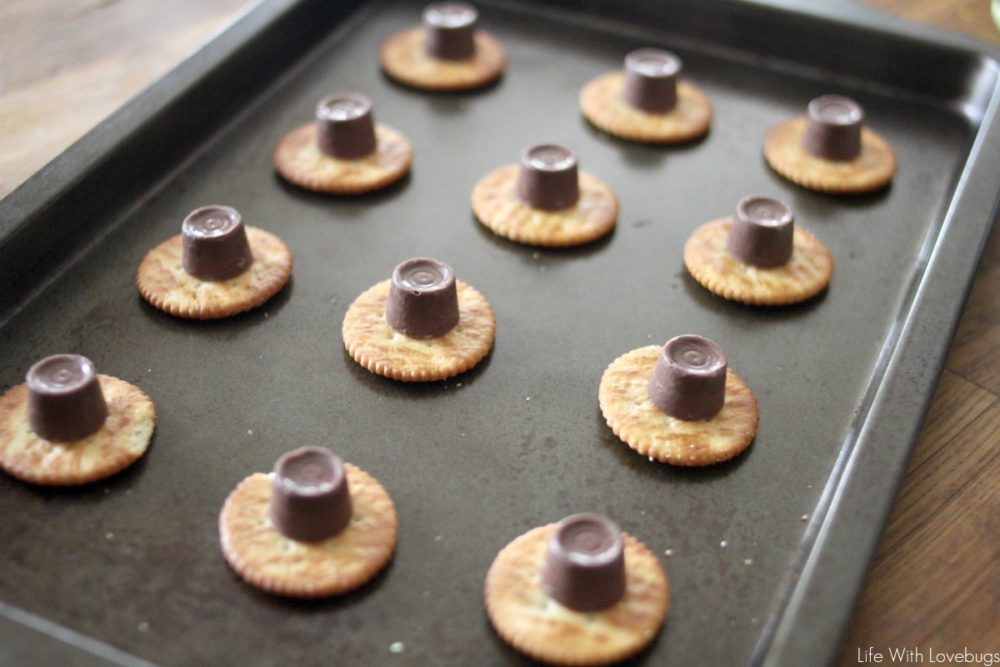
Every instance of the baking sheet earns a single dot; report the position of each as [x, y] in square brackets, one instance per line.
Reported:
[519, 441]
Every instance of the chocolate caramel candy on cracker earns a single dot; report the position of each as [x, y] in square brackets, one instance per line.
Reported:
[66, 425]
[830, 150]
[447, 52]
[311, 500]
[215, 243]
[343, 151]
[548, 178]
[423, 298]
[663, 402]
[315, 527]
[834, 128]
[65, 401]
[577, 592]
[585, 563]
[450, 30]
[421, 325]
[759, 256]
[689, 381]
[648, 101]
[762, 232]
[651, 80]
[545, 200]
[345, 126]
[216, 267]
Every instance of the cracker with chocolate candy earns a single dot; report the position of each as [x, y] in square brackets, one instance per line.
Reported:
[215, 267]
[647, 102]
[67, 425]
[580, 592]
[420, 326]
[344, 151]
[447, 52]
[830, 151]
[315, 527]
[680, 403]
[759, 256]
[545, 201]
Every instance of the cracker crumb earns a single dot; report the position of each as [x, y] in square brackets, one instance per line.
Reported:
[805, 517]
[748, 561]
[723, 544]
[527, 398]
[668, 553]
[458, 384]
[249, 431]
[397, 647]
[109, 536]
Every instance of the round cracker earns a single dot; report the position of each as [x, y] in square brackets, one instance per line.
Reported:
[631, 414]
[384, 351]
[268, 560]
[602, 104]
[405, 60]
[806, 274]
[299, 160]
[496, 205]
[122, 439]
[165, 284]
[532, 622]
[872, 170]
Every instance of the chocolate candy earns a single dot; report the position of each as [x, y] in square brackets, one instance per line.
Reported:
[345, 126]
[548, 177]
[423, 298]
[450, 28]
[689, 381]
[310, 500]
[762, 232]
[584, 566]
[834, 128]
[215, 243]
[651, 80]
[65, 401]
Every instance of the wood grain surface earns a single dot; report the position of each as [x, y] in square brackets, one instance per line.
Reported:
[935, 583]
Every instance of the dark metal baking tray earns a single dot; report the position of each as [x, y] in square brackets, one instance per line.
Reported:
[131, 570]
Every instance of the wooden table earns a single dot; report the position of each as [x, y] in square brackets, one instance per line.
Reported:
[935, 582]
